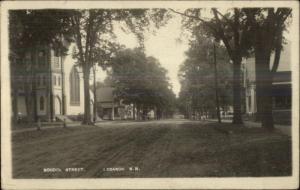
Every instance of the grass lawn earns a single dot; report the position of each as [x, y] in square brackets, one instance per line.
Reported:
[157, 149]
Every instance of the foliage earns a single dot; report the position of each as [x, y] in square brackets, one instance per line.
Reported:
[232, 30]
[141, 80]
[267, 26]
[93, 32]
[28, 34]
[28, 29]
[197, 78]
[244, 31]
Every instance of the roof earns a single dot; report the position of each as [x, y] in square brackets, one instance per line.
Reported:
[107, 105]
[105, 94]
[284, 63]
[282, 76]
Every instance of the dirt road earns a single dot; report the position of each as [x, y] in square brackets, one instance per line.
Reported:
[170, 148]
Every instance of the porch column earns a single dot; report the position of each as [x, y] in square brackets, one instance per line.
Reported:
[112, 111]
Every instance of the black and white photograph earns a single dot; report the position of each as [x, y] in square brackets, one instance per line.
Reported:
[204, 92]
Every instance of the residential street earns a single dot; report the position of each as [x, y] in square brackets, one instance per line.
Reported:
[168, 148]
[191, 94]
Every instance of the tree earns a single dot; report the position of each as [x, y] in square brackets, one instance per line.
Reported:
[231, 29]
[141, 81]
[90, 29]
[198, 79]
[267, 26]
[28, 33]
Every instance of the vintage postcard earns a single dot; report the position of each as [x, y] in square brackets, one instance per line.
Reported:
[149, 95]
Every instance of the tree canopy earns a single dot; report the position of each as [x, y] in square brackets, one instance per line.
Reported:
[197, 78]
[93, 30]
[29, 34]
[141, 80]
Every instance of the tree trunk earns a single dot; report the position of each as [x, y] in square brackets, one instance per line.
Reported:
[63, 94]
[95, 97]
[35, 116]
[34, 84]
[144, 112]
[258, 60]
[133, 111]
[137, 112]
[15, 104]
[264, 89]
[14, 87]
[216, 85]
[237, 59]
[263, 78]
[28, 104]
[237, 113]
[28, 92]
[87, 110]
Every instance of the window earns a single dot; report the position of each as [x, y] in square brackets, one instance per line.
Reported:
[41, 103]
[58, 80]
[74, 87]
[54, 80]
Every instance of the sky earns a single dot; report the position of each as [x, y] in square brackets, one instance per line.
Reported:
[164, 46]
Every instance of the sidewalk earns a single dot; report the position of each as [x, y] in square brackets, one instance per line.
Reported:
[45, 126]
[285, 129]
[70, 124]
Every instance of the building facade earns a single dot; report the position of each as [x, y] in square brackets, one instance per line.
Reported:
[281, 86]
[110, 109]
[52, 85]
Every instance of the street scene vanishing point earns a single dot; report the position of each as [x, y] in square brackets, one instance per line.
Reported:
[151, 92]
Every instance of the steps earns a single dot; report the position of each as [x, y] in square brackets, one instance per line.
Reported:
[64, 118]
[98, 118]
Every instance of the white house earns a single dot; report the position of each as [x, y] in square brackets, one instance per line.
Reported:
[281, 86]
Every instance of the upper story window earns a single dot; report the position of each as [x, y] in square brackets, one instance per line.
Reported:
[74, 87]
[58, 80]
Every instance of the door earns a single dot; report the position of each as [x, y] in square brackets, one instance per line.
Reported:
[57, 108]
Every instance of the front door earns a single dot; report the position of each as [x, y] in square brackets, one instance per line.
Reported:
[57, 108]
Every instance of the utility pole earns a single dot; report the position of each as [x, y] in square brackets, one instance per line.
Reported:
[51, 89]
[63, 95]
[95, 95]
[216, 84]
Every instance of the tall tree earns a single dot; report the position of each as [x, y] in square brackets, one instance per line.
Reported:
[231, 29]
[141, 81]
[28, 33]
[91, 27]
[267, 26]
[198, 79]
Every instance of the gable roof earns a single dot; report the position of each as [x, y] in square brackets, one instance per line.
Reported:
[282, 76]
[284, 63]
